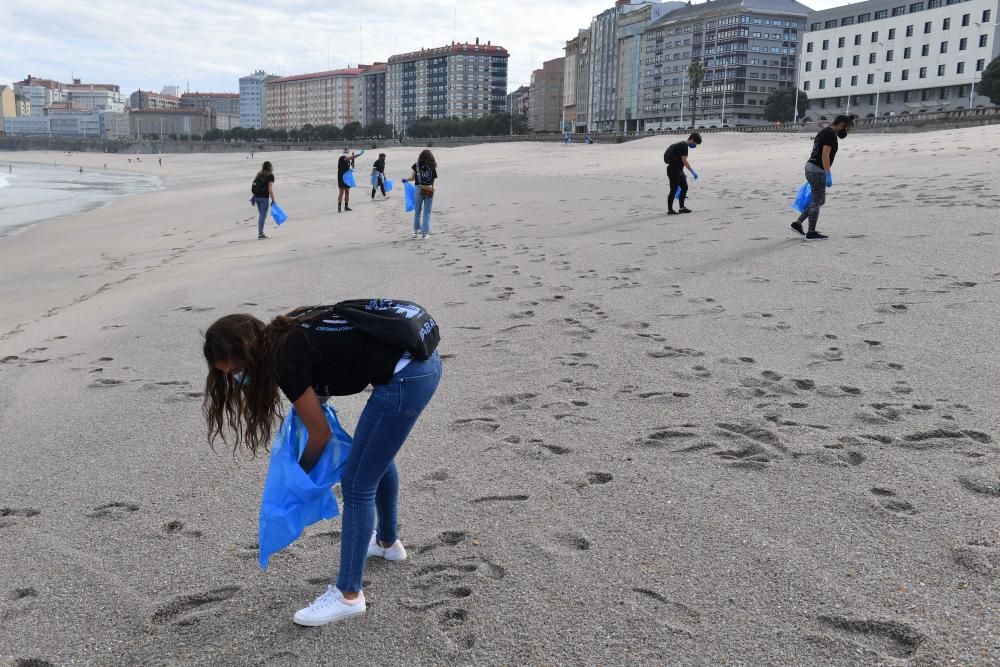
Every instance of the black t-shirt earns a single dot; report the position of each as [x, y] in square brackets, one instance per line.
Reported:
[327, 353]
[674, 154]
[343, 165]
[426, 174]
[826, 137]
[269, 178]
[379, 166]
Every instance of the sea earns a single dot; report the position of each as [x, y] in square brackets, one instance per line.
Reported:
[34, 193]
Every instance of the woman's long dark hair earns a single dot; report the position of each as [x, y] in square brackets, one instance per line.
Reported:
[266, 169]
[426, 157]
[246, 412]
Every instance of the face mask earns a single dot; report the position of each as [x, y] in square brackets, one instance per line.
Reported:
[842, 133]
[241, 378]
[692, 145]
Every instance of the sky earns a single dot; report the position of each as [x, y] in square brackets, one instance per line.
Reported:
[207, 45]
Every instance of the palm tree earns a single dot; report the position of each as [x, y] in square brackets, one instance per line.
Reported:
[696, 74]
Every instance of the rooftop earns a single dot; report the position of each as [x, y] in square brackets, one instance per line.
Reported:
[347, 71]
[231, 96]
[451, 49]
[185, 110]
[712, 7]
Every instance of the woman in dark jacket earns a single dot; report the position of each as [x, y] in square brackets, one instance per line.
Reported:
[378, 175]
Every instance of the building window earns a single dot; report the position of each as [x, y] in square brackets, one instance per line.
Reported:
[822, 64]
[905, 75]
[925, 50]
[856, 60]
[809, 47]
[864, 18]
[899, 11]
[841, 42]
[962, 43]
[857, 40]
[854, 80]
[805, 85]
[940, 70]
[917, 7]
[960, 69]
[809, 66]
[909, 31]
[927, 27]
[983, 40]
[986, 16]
[822, 84]
[906, 53]
[840, 63]
[965, 20]
[944, 93]
[871, 58]
[944, 47]
[881, 14]
[888, 56]
[933, 4]
[923, 72]
[892, 33]
[871, 79]
[946, 24]
[887, 77]
[812, 26]
[831, 23]
[874, 37]
[826, 44]
[908, 96]
[847, 20]
[980, 64]
[836, 82]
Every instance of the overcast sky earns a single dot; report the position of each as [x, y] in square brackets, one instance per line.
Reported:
[209, 44]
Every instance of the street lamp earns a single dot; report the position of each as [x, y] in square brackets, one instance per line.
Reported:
[972, 88]
[878, 85]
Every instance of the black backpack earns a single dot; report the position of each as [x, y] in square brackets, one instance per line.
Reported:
[259, 186]
[402, 324]
[671, 154]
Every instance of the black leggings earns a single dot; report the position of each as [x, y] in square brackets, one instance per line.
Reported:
[380, 186]
[677, 180]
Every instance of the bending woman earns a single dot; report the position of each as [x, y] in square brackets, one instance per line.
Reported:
[309, 355]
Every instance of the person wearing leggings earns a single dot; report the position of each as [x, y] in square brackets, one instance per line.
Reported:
[676, 159]
[378, 176]
[818, 172]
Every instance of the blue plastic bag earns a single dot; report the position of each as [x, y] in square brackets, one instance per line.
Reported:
[410, 196]
[677, 192]
[349, 179]
[374, 179]
[292, 499]
[803, 198]
[278, 214]
[387, 184]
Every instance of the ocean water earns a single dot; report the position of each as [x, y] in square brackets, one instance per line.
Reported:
[37, 193]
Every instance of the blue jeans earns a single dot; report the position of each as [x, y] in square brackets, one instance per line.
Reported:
[370, 480]
[423, 203]
[263, 205]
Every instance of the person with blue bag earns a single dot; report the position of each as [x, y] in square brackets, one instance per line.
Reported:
[818, 172]
[309, 355]
[423, 174]
[344, 165]
[262, 189]
[676, 160]
[378, 176]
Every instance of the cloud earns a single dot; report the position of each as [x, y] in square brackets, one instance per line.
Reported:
[209, 44]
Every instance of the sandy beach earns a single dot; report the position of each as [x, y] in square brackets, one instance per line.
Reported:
[695, 440]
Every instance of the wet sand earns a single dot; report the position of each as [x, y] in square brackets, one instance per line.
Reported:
[694, 440]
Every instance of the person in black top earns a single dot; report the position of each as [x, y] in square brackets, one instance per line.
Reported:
[344, 165]
[309, 355]
[262, 190]
[818, 172]
[424, 174]
[676, 159]
[378, 175]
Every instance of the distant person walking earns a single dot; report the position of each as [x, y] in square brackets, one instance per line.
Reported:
[378, 175]
[676, 158]
[344, 165]
[262, 189]
[424, 174]
[160, 161]
[818, 174]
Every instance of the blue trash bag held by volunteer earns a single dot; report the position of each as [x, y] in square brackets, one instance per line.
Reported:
[293, 499]
[803, 198]
[410, 196]
[278, 214]
[387, 184]
[349, 179]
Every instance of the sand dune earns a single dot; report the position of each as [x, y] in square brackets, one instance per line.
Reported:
[695, 440]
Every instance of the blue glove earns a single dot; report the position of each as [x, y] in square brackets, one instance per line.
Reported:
[695, 174]
[829, 180]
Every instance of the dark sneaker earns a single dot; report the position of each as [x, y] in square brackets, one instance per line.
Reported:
[685, 209]
[671, 212]
[348, 208]
[797, 227]
[262, 237]
[816, 236]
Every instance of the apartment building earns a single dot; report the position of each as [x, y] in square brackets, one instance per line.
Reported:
[545, 105]
[320, 98]
[65, 120]
[748, 48]
[459, 80]
[227, 103]
[517, 101]
[171, 122]
[578, 112]
[253, 107]
[571, 73]
[146, 99]
[373, 94]
[8, 102]
[887, 57]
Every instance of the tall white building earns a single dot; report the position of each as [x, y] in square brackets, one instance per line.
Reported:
[253, 102]
[898, 57]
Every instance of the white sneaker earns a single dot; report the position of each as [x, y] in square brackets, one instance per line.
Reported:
[329, 607]
[427, 236]
[395, 552]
